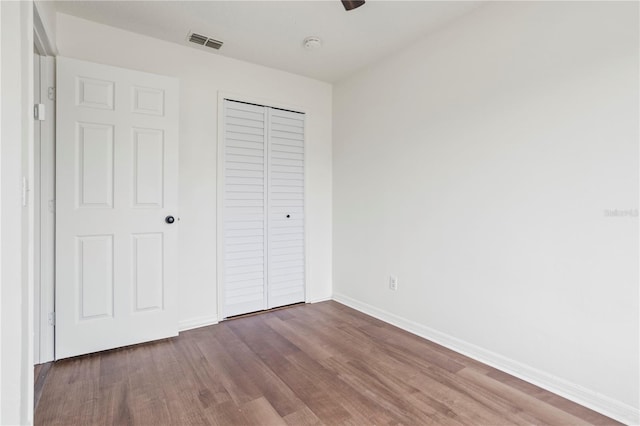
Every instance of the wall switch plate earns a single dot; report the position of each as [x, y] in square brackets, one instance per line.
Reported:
[393, 282]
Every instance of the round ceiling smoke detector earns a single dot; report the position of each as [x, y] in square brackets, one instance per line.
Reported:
[312, 43]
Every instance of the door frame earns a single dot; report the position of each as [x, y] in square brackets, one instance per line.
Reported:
[44, 201]
[44, 223]
[222, 95]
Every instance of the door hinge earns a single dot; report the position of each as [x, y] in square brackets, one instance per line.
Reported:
[51, 93]
[52, 319]
[38, 112]
[52, 206]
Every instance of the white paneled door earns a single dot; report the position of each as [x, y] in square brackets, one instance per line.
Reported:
[263, 259]
[116, 204]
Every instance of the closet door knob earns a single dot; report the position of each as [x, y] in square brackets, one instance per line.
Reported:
[169, 219]
[288, 216]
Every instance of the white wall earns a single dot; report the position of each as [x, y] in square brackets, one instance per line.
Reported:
[477, 165]
[202, 74]
[16, 254]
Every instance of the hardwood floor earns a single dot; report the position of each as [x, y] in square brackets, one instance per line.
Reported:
[306, 365]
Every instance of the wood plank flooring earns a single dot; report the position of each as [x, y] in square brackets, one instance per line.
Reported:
[306, 365]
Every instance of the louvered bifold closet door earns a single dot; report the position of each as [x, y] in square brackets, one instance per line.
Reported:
[286, 271]
[244, 208]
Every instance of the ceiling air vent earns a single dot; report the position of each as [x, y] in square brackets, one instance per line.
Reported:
[205, 41]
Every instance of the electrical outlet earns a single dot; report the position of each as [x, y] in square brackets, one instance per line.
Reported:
[393, 282]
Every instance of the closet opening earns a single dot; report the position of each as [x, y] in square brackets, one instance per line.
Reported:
[261, 206]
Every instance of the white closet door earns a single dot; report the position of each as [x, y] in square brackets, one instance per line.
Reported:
[286, 270]
[244, 208]
[263, 262]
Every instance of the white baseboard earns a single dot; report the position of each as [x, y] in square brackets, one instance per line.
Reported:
[192, 323]
[322, 299]
[576, 393]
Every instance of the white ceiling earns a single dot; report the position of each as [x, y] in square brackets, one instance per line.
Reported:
[270, 33]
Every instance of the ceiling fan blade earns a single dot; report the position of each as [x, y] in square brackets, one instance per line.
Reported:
[352, 4]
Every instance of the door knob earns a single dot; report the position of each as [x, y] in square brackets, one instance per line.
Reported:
[288, 216]
[169, 219]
